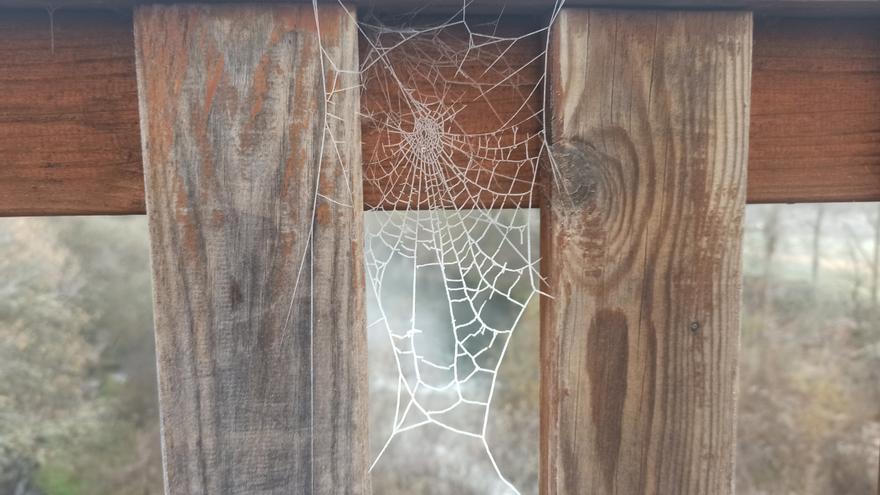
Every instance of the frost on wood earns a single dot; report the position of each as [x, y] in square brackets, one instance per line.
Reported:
[453, 128]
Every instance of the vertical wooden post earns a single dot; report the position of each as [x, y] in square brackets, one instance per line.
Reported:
[256, 248]
[642, 233]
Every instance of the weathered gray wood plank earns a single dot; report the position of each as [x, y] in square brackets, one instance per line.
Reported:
[642, 235]
[258, 278]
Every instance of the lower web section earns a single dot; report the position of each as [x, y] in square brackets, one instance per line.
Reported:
[454, 365]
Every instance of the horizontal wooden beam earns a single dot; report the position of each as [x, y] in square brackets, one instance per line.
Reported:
[776, 7]
[69, 134]
[815, 120]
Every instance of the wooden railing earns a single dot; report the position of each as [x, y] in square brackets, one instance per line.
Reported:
[665, 122]
[70, 140]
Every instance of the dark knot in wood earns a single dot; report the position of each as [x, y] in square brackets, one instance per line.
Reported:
[577, 171]
[601, 181]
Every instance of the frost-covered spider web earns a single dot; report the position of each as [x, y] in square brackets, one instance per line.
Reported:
[453, 127]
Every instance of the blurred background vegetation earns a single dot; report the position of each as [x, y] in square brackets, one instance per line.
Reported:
[430, 460]
[78, 412]
[809, 402]
[78, 408]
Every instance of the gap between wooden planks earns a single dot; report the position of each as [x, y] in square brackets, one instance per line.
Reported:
[70, 144]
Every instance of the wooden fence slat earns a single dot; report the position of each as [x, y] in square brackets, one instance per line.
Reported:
[259, 308]
[641, 239]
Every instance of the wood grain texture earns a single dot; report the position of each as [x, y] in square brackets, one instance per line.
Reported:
[258, 282]
[642, 239]
[815, 132]
[70, 142]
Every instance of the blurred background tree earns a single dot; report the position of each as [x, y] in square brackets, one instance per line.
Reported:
[78, 407]
[78, 412]
[809, 403]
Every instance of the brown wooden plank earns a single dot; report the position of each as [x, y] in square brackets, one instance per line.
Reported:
[642, 249]
[258, 283]
[69, 139]
[815, 132]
